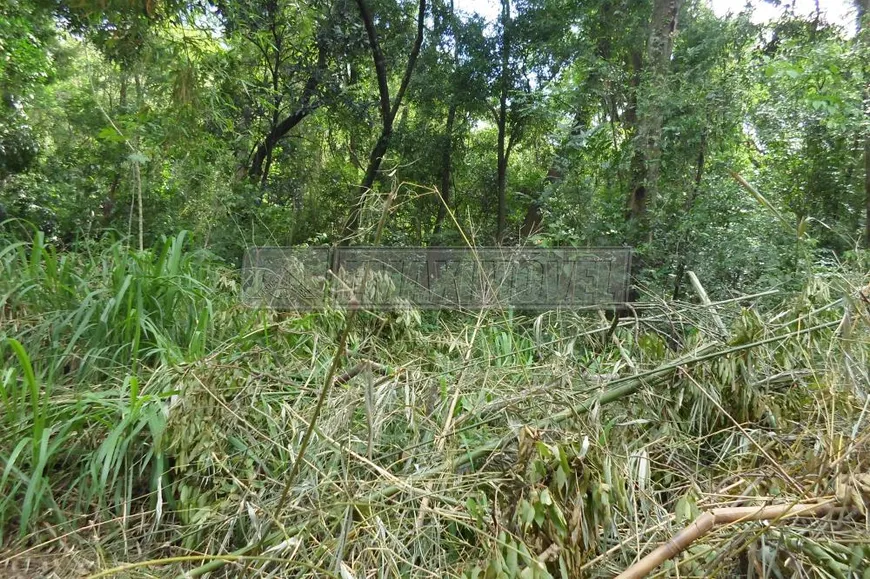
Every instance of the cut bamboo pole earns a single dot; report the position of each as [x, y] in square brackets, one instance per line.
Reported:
[702, 293]
[705, 523]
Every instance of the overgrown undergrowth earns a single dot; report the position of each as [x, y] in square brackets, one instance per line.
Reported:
[150, 425]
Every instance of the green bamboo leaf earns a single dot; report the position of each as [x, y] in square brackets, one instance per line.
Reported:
[33, 387]
[34, 495]
[10, 461]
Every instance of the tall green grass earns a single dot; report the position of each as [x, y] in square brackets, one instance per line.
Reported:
[82, 335]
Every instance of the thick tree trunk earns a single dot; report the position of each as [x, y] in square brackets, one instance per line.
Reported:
[647, 158]
[388, 110]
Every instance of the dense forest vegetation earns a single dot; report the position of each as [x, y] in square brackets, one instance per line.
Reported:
[592, 123]
[152, 426]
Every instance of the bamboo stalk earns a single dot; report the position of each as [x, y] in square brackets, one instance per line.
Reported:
[763, 200]
[706, 522]
[702, 293]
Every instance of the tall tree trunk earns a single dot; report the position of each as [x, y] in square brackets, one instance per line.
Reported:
[108, 205]
[277, 96]
[534, 220]
[687, 209]
[504, 81]
[388, 111]
[446, 168]
[353, 135]
[647, 158]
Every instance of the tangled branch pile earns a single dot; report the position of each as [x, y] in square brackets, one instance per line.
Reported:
[150, 428]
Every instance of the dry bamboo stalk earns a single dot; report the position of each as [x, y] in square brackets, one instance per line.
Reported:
[705, 523]
[702, 293]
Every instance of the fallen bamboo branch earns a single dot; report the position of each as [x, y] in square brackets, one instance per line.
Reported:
[184, 558]
[726, 516]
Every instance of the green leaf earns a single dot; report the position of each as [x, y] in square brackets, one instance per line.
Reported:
[510, 559]
[545, 498]
[528, 513]
[33, 495]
